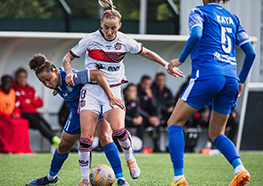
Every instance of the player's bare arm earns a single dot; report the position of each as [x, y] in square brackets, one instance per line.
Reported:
[156, 58]
[99, 77]
[67, 66]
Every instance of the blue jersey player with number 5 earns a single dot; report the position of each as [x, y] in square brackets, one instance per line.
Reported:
[214, 34]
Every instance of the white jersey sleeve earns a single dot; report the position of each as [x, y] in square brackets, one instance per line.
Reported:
[133, 46]
[81, 46]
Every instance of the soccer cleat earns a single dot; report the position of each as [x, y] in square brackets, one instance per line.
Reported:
[134, 168]
[55, 140]
[180, 182]
[240, 179]
[122, 182]
[83, 182]
[43, 181]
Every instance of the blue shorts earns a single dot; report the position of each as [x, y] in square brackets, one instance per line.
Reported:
[219, 91]
[72, 125]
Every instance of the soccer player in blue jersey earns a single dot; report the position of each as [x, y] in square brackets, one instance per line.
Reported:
[214, 34]
[54, 78]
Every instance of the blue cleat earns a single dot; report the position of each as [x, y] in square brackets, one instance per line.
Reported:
[43, 181]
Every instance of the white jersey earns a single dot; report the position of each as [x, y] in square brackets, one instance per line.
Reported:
[105, 55]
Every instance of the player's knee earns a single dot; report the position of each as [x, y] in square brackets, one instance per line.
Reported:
[121, 134]
[85, 145]
[105, 138]
[63, 148]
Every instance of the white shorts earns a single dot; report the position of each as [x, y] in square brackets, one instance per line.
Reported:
[93, 98]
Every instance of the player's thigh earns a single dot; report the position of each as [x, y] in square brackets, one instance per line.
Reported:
[225, 100]
[217, 124]
[88, 121]
[67, 142]
[117, 93]
[90, 99]
[104, 132]
[116, 118]
[72, 125]
[181, 113]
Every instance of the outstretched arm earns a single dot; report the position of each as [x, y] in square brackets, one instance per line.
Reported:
[67, 66]
[156, 58]
[196, 34]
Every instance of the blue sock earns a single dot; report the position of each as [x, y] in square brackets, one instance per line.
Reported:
[228, 149]
[113, 156]
[57, 163]
[176, 148]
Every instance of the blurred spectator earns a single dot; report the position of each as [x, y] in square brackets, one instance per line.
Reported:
[29, 102]
[63, 114]
[14, 136]
[133, 116]
[232, 123]
[163, 96]
[149, 109]
[200, 118]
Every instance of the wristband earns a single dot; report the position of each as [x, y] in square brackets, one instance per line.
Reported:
[83, 77]
[166, 65]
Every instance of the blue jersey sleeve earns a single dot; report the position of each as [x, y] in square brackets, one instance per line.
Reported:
[241, 35]
[248, 61]
[195, 18]
[196, 27]
[83, 77]
[195, 36]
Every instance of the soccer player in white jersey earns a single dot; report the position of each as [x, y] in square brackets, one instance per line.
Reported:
[105, 50]
[214, 33]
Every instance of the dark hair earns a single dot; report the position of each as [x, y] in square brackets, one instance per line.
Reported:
[128, 86]
[111, 12]
[145, 77]
[4, 77]
[39, 63]
[159, 74]
[20, 70]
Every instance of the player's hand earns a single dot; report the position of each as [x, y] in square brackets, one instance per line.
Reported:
[118, 102]
[240, 88]
[173, 70]
[69, 78]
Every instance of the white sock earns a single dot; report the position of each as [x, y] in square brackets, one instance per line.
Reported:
[238, 169]
[95, 142]
[127, 149]
[84, 164]
[176, 178]
[51, 178]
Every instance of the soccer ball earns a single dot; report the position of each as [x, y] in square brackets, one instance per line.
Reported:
[102, 175]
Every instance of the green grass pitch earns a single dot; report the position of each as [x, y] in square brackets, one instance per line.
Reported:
[156, 169]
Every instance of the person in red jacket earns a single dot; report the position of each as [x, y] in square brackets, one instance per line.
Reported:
[14, 136]
[29, 102]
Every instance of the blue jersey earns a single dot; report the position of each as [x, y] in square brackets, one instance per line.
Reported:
[69, 93]
[214, 54]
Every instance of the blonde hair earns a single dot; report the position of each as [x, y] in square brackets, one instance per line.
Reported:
[110, 12]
